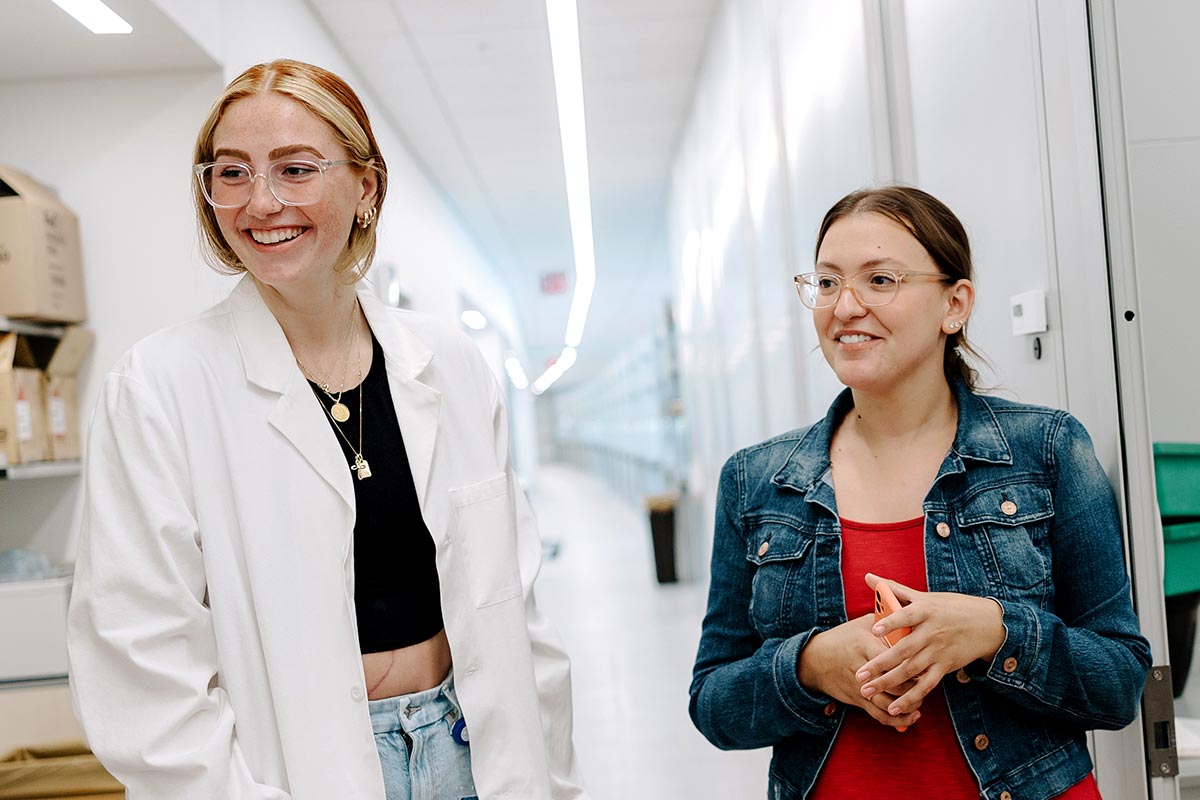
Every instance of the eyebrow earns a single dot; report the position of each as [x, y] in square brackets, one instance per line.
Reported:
[278, 152]
[874, 263]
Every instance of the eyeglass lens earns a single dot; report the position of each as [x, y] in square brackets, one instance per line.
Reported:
[874, 288]
[294, 183]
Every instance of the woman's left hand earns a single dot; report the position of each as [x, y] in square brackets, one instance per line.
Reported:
[949, 631]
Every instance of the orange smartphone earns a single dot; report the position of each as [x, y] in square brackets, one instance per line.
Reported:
[885, 604]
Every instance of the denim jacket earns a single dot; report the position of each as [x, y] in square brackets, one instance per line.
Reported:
[1020, 511]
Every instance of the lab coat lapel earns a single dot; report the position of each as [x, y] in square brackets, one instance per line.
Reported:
[297, 413]
[418, 405]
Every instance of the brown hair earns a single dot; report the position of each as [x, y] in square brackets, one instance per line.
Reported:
[941, 234]
[331, 99]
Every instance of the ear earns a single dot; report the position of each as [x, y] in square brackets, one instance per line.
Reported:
[370, 188]
[960, 299]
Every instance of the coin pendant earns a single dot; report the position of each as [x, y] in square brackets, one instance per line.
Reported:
[339, 412]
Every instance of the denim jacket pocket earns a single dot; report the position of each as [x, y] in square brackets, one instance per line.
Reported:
[779, 552]
[1008, 525]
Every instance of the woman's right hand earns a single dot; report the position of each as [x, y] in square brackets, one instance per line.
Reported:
[828, 663]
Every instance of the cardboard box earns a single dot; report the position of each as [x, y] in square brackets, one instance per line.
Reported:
[61, 392]
[22, 404]
[41, 270]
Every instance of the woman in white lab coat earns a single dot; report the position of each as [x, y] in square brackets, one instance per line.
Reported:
[305, 568]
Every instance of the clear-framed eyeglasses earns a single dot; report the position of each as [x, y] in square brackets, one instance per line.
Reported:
[871, 288]
[293, 182]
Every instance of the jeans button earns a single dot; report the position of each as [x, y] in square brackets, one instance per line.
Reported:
[943, 530]
[1010, 664]
[1006, 795]
[981, 742]
[962, 676]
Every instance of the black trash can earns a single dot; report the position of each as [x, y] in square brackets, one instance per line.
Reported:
[1181, 636]
[662, 532]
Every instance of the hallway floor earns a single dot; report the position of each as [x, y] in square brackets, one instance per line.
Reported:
[632, 643]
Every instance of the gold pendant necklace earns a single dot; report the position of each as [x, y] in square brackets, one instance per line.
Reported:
[360, 467]
[338, 411]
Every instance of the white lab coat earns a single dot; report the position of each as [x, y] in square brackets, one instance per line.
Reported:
[212, 637]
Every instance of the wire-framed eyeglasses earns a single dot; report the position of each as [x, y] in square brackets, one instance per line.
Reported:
[293, 182]
[872, 288]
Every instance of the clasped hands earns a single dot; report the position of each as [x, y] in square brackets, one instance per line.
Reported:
[852, 665]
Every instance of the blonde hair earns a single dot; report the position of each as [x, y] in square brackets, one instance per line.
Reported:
[331, 99]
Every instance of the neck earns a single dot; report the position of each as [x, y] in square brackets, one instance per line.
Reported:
[905, 412]
[314, 322]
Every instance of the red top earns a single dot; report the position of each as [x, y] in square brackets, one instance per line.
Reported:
[870, 760]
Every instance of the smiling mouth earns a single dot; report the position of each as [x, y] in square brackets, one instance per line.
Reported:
[276, 235]
[854, 338]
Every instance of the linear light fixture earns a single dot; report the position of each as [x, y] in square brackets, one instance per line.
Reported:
[95, 16]
[475, 320]
[563, 22]
[512, 365]
[565, 359]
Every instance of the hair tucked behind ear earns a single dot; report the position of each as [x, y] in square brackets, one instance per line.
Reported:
[331, 99]
[941, 234]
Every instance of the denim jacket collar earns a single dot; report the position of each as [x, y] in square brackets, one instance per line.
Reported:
[978, 437]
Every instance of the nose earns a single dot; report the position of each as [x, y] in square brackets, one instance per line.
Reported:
[848, 305]
[263, 201]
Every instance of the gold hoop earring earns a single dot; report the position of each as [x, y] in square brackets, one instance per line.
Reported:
[367, 218]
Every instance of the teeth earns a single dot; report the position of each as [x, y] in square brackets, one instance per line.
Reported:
[276, 235]
[855, 338]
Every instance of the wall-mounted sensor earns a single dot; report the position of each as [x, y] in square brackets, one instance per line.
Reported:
[1028, 312]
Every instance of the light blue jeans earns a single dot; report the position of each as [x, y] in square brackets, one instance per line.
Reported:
[421, 755]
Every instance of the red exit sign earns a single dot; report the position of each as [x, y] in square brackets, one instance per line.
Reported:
[554, 282]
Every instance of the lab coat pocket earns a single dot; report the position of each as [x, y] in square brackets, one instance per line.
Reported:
[485, 531]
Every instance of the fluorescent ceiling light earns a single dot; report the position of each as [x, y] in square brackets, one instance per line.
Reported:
[563, 21]
[565, 359]
[474, 319]
[95, 16]
[516, 374]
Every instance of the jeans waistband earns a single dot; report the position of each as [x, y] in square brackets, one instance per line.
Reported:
[408, 712]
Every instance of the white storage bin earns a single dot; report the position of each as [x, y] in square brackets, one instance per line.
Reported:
[33, 628]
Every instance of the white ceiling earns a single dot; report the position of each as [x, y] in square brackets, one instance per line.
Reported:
[470, 86]
[27, 25]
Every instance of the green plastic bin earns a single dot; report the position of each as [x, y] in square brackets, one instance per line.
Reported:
[1177, 477]
[1181, 558]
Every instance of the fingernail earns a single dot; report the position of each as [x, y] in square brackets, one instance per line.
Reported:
[862, 675]
[894, 710]
[868, 691]
[877, 630]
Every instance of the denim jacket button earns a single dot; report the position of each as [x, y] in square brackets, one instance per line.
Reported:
[962, 676]
[943, 530]
[1006, 795]
[830, 709]
[1010, 664]
[1008, 507]
[763, 548]
[981, 742]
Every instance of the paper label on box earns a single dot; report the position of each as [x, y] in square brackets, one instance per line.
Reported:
[58, 416]
[24, 421]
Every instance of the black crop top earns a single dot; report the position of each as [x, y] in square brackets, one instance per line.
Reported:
[396, 595]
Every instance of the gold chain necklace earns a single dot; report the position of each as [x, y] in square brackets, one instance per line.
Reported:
[361, 468]
[338, 411]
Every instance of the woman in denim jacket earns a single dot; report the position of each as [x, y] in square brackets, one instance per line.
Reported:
[991, 520]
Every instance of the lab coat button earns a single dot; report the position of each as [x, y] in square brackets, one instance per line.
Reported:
[763, 548]
[943, 530]
[1008, 507]
[356, 694]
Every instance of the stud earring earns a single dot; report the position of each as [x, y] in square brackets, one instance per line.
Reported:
[955, 325]
[367, 218]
